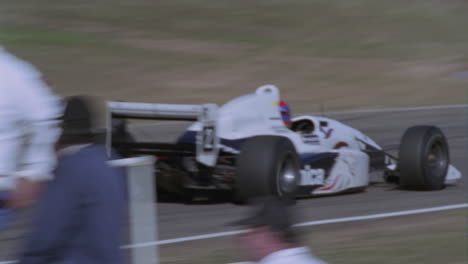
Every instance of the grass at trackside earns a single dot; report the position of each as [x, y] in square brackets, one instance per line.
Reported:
[432, 238]
[362, 28]
[429, 238]
[342, 54]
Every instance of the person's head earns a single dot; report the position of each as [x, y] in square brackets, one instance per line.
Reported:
[270, 227]
[285, 112]
[83, 120]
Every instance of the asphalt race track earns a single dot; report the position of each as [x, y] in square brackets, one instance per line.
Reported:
[385, 127]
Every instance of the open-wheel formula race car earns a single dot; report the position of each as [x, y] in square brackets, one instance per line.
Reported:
[251, 147]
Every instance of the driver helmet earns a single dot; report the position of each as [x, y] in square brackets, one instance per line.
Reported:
[285, 113]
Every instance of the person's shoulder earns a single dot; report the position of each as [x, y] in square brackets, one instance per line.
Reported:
[304, 256]
[298, 255]
[92, 152]
[82, 164]
[75, 154]
[15, 66]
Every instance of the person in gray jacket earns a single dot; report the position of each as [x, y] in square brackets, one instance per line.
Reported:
[270, 239]
[80, 215]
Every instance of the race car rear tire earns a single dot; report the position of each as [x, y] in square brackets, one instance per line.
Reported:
[423, 158]
[267, 165]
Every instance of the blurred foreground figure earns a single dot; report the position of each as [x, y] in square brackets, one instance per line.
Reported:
[28, 131]
[270, 239]
[80, 213]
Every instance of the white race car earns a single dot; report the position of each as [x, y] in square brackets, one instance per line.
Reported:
[251, 147]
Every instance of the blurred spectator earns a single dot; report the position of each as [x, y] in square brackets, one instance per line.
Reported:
[79, 216]
[28, 131]
[270, 239]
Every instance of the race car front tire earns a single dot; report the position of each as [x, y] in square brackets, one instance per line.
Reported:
[423, 158]
[267, 165]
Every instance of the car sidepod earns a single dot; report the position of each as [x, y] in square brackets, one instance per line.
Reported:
[333, 172]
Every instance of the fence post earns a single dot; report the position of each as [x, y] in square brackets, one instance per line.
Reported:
[142, 207]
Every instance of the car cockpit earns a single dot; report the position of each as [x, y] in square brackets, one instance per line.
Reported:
[303, 126]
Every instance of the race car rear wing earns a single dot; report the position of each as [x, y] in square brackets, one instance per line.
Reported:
[207, 141]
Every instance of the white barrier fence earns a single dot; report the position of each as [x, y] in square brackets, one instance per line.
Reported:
[142, 210]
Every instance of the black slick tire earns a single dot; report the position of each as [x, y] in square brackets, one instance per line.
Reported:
[267, 165]
[423, 158]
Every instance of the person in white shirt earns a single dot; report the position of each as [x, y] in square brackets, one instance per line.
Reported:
[270, 239]
[29, 114]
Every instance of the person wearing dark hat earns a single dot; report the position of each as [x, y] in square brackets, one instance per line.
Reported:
[79, 215]
[270, 239]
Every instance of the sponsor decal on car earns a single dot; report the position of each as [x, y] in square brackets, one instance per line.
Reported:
[325, 130]
[310, 139]
[311, 176]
